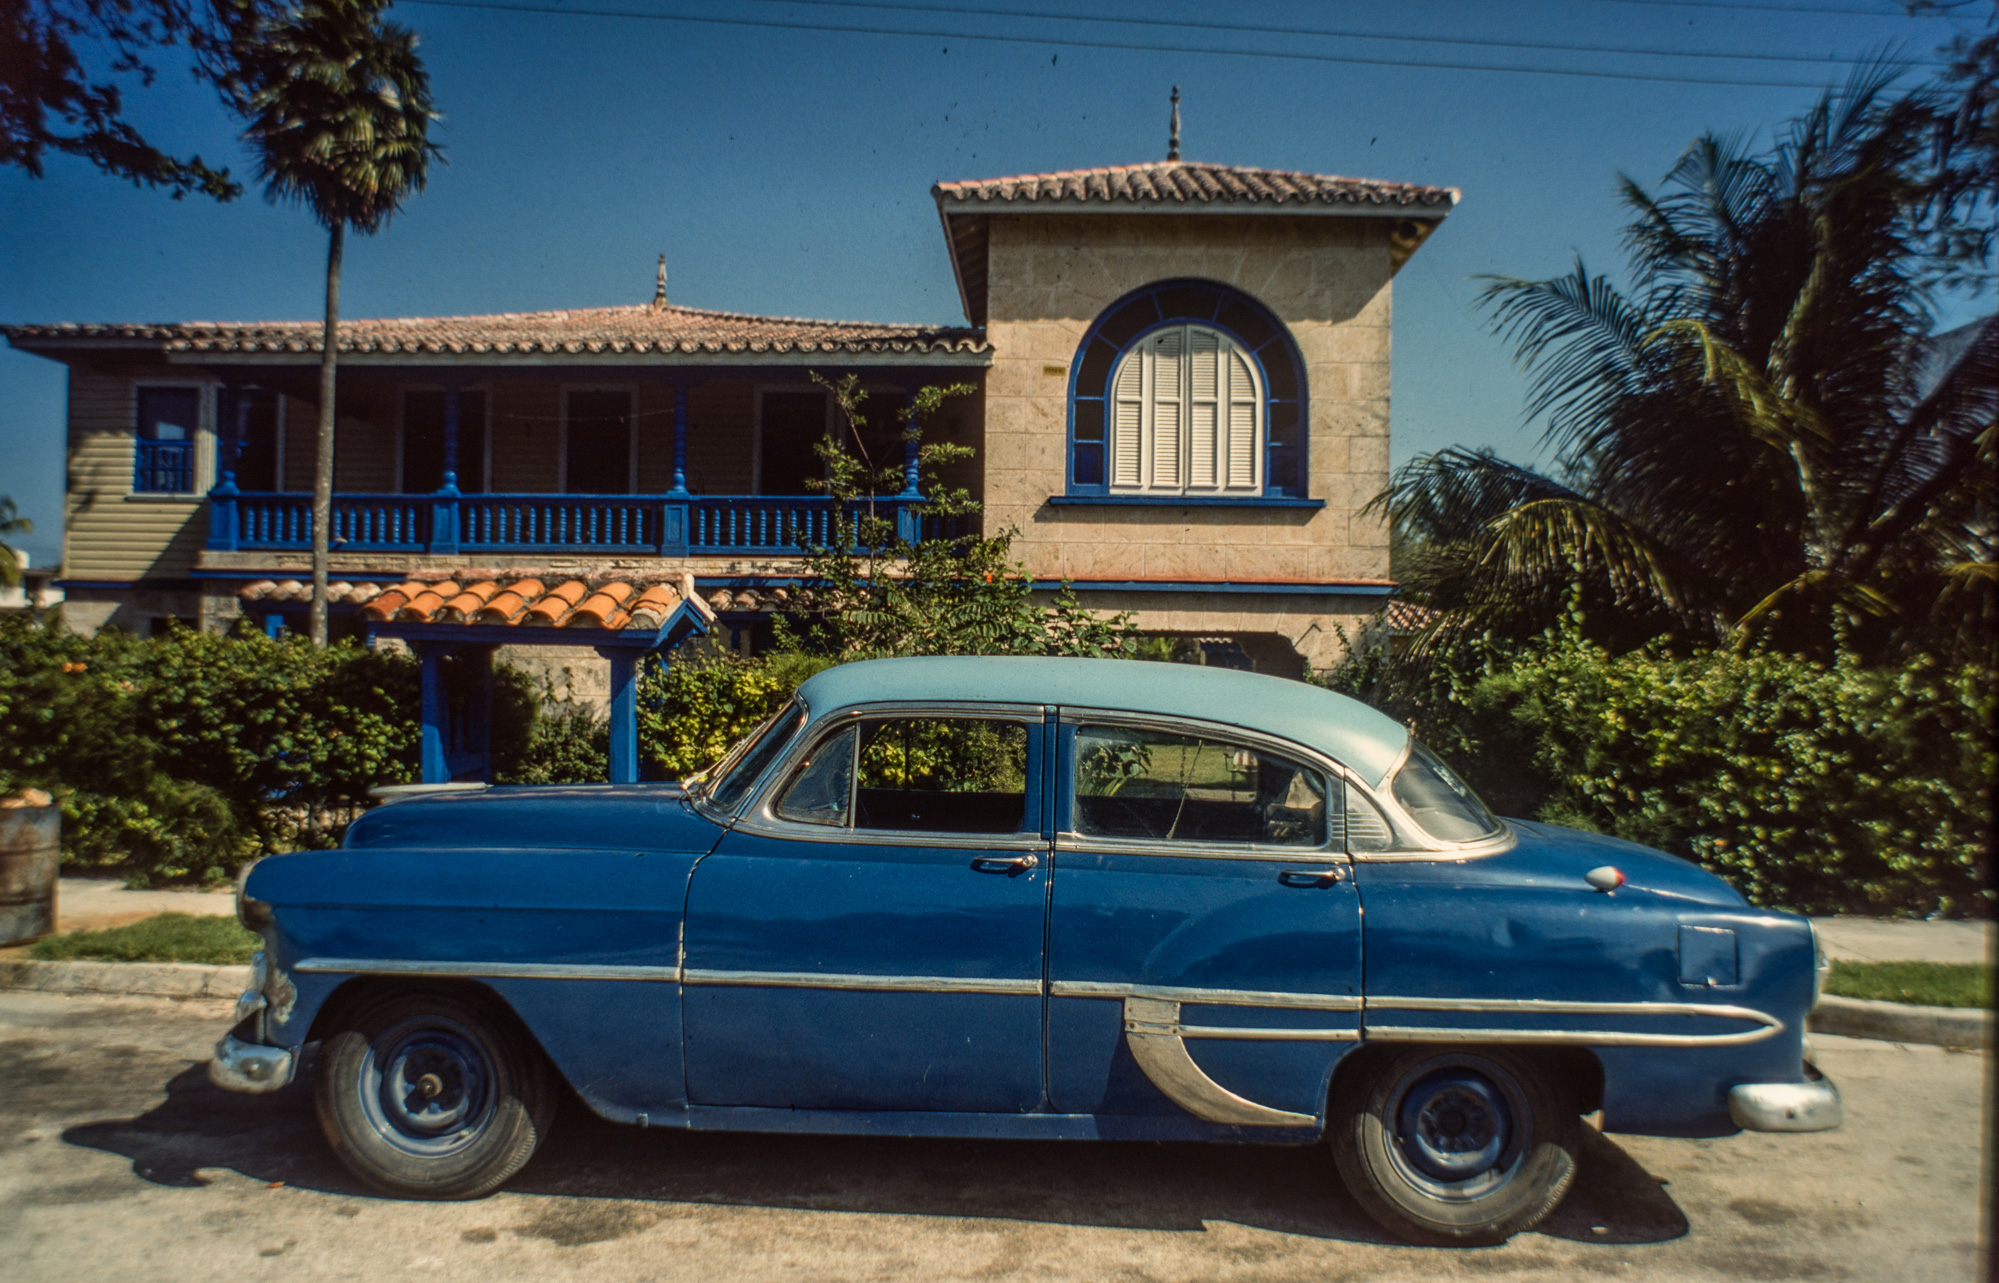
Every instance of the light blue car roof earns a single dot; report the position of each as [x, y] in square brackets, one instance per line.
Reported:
[1345, 730]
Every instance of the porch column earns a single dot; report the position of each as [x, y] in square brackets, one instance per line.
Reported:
[239, 430]
[909, 486]
[624, 713]
[436, 716]
[444, 511]
[679, 490]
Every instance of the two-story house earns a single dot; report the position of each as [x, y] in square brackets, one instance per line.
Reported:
[1182, 406]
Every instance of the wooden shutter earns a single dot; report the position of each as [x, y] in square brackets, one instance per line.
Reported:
[1186, 415]
[1128, 422]
[1167, 403]
[1206, 375]
[1244, 441]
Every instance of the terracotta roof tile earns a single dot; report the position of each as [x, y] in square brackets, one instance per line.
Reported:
[641, 330]
[1182, 182]
[556, 605]
[503, 598]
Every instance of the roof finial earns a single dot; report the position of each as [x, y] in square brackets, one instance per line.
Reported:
[659, 289]
[1173, 143]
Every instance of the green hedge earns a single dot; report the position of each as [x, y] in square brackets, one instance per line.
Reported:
[1816, 788]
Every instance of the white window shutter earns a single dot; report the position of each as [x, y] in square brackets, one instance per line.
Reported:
[1244, 446]
[1186, 415]
[1205, 397]
[1167, 403]
[1128, 423]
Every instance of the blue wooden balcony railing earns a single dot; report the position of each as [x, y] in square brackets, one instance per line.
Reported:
[162, 467]
[451, 524]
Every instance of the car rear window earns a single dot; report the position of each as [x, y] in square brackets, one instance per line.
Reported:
[1439, 801]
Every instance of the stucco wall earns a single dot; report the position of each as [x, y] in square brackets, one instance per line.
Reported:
[1327, 279]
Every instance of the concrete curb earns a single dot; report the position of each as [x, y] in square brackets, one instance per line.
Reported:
[1900, 1022]
[131, 979]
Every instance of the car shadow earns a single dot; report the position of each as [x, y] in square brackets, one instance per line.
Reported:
[1110, 1184]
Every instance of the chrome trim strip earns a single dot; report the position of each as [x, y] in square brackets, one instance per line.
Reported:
[1577, 1037]
[1213, 997]
[1559, 1007]
[1177, 1030]
[484, 970]
[1077, 843]
[762, 824]
[860, 983]
[1770, 1025]
[1164, 1058]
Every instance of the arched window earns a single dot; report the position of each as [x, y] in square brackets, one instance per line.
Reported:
[1186, 416]
[1189, 389]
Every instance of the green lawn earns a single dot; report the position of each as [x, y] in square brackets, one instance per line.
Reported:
[1925, 984]
[167, 937]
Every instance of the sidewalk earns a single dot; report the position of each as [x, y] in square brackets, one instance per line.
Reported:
[1900, 940]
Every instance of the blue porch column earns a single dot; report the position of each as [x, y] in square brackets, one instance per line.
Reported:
[910, 490]
[436, 716]
[673, 513]
[624, 712]
[444, 511]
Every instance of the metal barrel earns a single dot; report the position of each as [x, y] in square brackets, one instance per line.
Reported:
[30, 844]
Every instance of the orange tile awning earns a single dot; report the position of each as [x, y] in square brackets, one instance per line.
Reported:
[505, 599]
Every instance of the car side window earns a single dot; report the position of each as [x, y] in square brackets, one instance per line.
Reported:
[942, 774]
[914, 774]
[1163, 786]
[1368, 831]
[822, 788]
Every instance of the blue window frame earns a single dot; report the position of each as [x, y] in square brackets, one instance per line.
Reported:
[1246, 322]
[169, 420]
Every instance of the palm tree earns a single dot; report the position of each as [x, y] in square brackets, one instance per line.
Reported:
[339, 112]
[1762, 440]
[11, 523]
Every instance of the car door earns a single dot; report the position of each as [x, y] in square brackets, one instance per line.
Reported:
[1204, 938]
[869, 936]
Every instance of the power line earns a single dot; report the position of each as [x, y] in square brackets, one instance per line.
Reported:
[1780, 8]
[1071, 42]
[956, 11]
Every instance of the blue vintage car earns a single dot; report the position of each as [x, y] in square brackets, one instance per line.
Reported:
[1030, 898]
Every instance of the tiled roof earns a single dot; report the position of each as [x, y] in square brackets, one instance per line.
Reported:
[638, 330]
[1181, 182]
[1407, 616]
[501, 599]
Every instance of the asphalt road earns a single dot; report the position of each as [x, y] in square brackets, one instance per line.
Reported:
[118, 1161]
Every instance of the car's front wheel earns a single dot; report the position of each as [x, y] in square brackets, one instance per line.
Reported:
[1454, 1146]
[429, 1096]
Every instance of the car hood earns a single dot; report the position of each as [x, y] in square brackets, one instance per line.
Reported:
[1554, 852]
[636, 817]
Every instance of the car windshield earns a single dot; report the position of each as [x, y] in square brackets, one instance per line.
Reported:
[724, 784]
[1437, 799]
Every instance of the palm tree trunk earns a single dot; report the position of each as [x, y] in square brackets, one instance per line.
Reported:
[322, 464]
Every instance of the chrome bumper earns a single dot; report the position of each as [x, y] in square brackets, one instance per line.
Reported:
[1809, 1106]
[249, 1066]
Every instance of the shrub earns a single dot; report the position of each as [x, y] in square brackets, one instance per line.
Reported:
[693, 710]
[1811, 787]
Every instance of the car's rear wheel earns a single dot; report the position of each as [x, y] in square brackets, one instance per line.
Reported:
[427, 1095]
[1454, 1146]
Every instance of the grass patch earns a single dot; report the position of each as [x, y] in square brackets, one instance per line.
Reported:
[1924, 984]
[166, 937]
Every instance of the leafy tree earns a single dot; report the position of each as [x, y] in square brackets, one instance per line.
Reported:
[1762, 440]
[11, 523]
[50, 102]
[871, 591]
[339, 113]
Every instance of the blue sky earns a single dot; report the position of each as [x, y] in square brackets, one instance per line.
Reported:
[788, 171]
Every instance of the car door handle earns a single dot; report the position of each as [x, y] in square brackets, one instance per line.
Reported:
[1312, 877]
[1007, 864]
